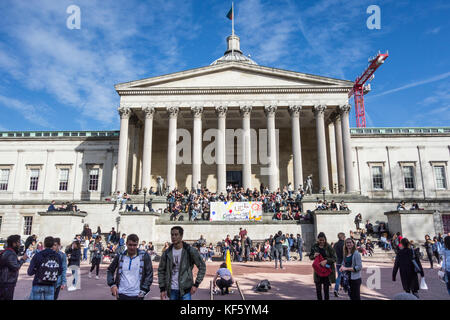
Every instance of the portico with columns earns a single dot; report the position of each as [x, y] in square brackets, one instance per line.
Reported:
[268, 125]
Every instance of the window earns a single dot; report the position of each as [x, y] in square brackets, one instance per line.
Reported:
[377, 177]
[408, 175]
[63, 179]
[439, 173]
[27, 225]
[34, 179]
[93, 179]
[4, 177]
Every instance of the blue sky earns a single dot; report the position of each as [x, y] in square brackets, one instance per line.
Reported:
[54, 78]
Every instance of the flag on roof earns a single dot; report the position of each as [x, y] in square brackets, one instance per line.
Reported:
[230, 14]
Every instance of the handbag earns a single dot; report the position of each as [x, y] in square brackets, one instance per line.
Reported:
[423, 284]
[319, 269]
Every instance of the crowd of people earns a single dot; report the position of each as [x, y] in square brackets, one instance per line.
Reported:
[64, 206]
[339, 263]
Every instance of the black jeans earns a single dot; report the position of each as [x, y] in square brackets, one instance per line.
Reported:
[57, 289]
[278, 256]
[96, 265]
[223, 284]
[325, 282]
[7, 291]
[355, 289]
[430, 258]
[124, 297]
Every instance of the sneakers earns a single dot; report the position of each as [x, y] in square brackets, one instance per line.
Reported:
[71, 289]
[90, 275]
[97, 277]
[336, 294]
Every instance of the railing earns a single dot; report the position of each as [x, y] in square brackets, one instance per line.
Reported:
[53, 134]
[387, 131]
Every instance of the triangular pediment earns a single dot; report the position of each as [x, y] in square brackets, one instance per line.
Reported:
[233, 75]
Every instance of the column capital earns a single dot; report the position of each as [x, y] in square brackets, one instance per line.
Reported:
[245, 110]
[221, 111]
[173, 111]
[270, 109]
[149, 111]
[335, 116]
[319, 109]
[124, 112]
[197, 111]
[294, 110]
[344, 108]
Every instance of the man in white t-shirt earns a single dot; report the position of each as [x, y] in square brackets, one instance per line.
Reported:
[130, 274]
[175, 269]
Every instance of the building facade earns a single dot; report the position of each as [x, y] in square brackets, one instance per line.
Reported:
[233, 122]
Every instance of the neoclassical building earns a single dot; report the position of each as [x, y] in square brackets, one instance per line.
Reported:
[232, 122]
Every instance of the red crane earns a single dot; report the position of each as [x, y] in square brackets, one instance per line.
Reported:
[359, 89]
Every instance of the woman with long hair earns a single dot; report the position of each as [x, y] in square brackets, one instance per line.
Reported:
[74, 257]
[429, 249]
[352, 265]
[409, 264]
[323, 249]
[97, 252]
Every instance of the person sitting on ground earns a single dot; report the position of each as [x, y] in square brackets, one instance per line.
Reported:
[415, 206]
[343, 206]
[369, 228]
[51, 207]
[225, 280]
[211, 252]
[369, 247]
[401, 206]
[129, 208]
[333, 206]
[267, 250]
[385, 243]
[62, 207]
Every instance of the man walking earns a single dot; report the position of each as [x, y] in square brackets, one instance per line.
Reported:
[175, 269]
[46, 266]
[339, 249]
[299, 247]
[9, 267]
[130, 274]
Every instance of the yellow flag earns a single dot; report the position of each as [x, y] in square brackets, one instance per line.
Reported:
[229, 261]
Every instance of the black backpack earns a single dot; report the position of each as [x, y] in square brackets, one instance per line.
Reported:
[48, 271]
[263, 286]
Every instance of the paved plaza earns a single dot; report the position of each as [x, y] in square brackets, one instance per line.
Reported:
[294, 282]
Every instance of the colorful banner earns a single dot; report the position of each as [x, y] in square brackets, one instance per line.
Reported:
[236, 211]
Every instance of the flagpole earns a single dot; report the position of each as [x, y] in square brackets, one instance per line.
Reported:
[232, 27]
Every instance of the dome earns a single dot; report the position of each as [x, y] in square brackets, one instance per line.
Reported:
[233, 53]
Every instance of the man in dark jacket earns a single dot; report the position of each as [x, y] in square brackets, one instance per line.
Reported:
[339, 249]
[46, 266]
[278, 251]
[29, 241]
[130, 274]
[9, 267]
[175, 269]
[299, 244]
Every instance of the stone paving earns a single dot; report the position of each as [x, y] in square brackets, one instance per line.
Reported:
[294, 282]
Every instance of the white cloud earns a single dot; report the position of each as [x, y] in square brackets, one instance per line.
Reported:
[34, 114]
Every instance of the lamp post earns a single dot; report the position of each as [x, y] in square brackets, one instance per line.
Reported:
[323, 192]
[145, 193]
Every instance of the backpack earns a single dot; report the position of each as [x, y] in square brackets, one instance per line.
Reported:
[263, 286]
[48, 271]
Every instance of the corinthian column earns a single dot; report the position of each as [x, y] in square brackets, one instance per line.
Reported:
[294, 111]
[149, 112]
[125, 114]
[319, 113]
[347, 147]
[274, 181]
[339, 153]
[246, 147]
[221, 112]
[172, 147]
[197, 146]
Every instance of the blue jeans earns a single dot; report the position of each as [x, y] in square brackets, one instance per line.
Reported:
[85, 252]
[175, 295]
[338, 279]
[288, 253]
[194, 214]
[42, 292]
[300, 253]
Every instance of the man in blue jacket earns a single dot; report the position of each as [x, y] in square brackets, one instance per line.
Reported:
[46, 266]
[9, 267]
